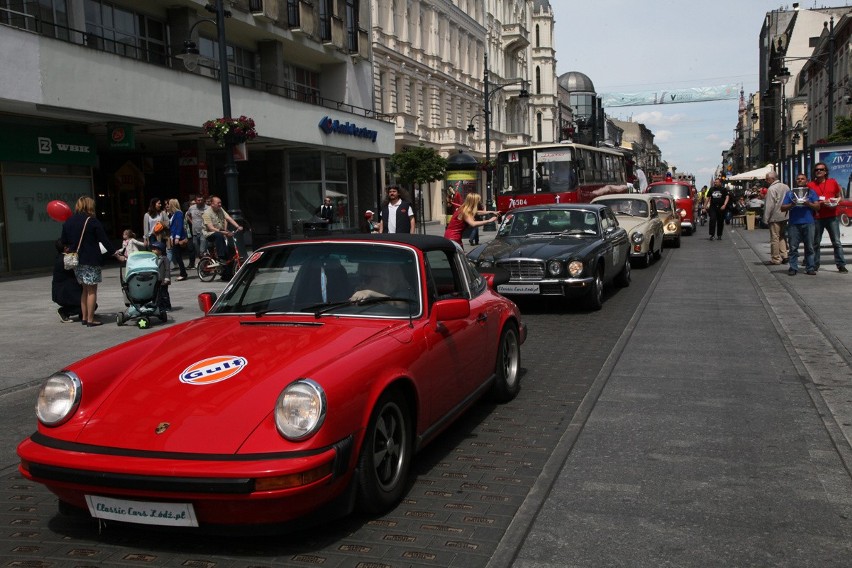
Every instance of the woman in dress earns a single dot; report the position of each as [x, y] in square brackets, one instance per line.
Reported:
[83, 229]
[465, 217]
[178, 237]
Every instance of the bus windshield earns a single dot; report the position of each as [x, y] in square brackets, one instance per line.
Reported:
[677, 190]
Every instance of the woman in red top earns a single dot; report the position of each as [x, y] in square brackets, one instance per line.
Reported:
[465, 217]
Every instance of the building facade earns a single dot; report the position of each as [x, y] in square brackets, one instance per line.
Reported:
[101, 105]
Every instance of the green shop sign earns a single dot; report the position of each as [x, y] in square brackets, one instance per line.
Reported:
[46, 146]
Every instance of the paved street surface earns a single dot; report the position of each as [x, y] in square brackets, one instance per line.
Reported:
[714, 431]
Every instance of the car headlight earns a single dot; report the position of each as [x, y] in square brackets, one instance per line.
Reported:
[637, 238]
[58, 398]
[554, 267]
[575, 268]
[485, 264]
[671, 227]
[300, 409]
[682, 212]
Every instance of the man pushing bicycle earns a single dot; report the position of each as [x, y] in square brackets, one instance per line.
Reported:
[216, 221]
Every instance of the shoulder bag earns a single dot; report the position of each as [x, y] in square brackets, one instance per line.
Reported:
[70, 259]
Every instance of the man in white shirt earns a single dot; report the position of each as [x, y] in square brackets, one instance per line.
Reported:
[397, 214]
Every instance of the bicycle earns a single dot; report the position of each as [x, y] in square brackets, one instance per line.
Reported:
[209, 266]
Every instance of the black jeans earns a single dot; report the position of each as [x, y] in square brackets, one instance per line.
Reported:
[717, 221]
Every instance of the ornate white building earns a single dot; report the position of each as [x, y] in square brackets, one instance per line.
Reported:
[429, 65]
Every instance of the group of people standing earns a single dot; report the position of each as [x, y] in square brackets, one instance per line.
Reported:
[800, 215]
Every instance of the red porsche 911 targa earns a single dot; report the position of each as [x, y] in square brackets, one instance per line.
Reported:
[303, 392]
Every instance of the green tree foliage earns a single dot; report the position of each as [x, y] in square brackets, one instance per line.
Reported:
[417, 165]
[842, 130]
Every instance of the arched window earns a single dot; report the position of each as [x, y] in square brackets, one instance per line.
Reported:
[538, 127]
[537, 36]
[538, 80]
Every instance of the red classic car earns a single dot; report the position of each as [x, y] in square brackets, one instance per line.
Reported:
[684, 194]
[302, 393]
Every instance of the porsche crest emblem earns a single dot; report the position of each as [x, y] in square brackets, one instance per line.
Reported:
[162, 427]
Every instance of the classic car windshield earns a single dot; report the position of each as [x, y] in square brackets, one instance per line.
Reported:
[677, 190]
[549, 221]
[627, 206]
[340, 279]
[663, 203]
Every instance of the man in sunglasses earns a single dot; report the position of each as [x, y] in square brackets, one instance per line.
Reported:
[830, 194]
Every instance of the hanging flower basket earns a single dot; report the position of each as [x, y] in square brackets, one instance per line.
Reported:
[484, 165]
[230, 130]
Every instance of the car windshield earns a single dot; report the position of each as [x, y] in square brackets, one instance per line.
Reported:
[677, 190]
[549, 222]
[628, 206]
[663, 203]
[327, 279]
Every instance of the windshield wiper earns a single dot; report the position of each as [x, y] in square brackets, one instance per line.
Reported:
[320, 309]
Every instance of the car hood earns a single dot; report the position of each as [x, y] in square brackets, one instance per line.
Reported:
[212, 383]
[631, 223]
[538, 247]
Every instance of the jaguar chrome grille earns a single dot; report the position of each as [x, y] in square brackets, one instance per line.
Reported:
[524, 269]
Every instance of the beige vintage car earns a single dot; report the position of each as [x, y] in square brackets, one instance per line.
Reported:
[667, 210]
[637, 214]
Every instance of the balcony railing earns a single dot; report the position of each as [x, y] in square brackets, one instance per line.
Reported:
[161, 56]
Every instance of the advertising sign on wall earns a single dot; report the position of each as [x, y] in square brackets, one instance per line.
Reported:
[838, 157]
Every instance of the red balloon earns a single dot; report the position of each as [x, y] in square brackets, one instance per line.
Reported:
[58, 210]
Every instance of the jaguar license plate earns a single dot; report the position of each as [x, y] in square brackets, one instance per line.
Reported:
[518, 289]
[142, 512]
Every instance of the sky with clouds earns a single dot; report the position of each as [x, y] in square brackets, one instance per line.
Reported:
[651, 45]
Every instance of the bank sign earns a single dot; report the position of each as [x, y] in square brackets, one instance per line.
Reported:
[46, 146]
[331, 126]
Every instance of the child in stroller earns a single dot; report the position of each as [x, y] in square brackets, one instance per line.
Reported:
[145, 283]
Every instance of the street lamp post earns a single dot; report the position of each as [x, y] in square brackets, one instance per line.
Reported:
[782, 77]
[190, 57]
[486, 110]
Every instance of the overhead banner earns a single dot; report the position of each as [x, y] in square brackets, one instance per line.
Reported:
[691, 95]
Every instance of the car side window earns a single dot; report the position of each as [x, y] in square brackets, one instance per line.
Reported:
[443, 276]
[475, 281]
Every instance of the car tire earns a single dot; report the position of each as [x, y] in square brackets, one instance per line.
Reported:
[507, 370]
[844, 219]
[659, 252]
[646, 260]
[622, 279]
[206, 269]
[594, 301]
[385, 455]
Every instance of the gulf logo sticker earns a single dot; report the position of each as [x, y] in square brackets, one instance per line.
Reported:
[213, 370]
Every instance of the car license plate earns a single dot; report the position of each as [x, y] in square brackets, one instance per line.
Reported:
[142, 512]
[518, 289]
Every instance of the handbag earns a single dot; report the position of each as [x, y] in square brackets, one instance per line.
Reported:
[70, 260]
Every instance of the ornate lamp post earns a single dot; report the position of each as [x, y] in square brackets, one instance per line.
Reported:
[190, 58]
[487, 93]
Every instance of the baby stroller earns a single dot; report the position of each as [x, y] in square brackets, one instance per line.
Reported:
[140, 281]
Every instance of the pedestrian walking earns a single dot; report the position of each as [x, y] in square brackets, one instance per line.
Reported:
[801, 203]
[195, 214]
[829, 194]
[716, 203]
[179, 239]
[776, 219]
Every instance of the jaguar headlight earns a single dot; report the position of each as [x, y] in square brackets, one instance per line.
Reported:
[58, 398]
[575, 268]
[300, 409]
[637, 238]
[486, 264]
[671, 227]
[554, 267]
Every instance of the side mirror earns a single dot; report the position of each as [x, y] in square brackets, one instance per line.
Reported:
[447, 310]
[206, 301]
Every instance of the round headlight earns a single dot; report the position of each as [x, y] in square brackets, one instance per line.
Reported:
[682, 212]
[58, 398]
[637, 238]
[575, 268]
[300, 409]
[485, 264]
[554, 267]
[671, 227]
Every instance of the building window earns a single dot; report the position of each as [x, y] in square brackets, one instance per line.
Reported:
[352, 26]
[123, 32]
[240, 62]
[538, 126]
[47, 17]
[303, 85]
[293, 13]
[326, 10]
[538, 80]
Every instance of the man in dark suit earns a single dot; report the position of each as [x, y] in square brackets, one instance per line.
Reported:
[326, 211]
